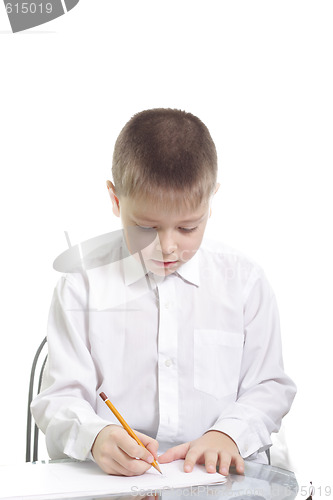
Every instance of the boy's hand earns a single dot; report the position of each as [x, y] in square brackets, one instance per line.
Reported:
[212, 448]
[116, 452]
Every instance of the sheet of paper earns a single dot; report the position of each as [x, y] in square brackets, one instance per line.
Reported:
[75, 479]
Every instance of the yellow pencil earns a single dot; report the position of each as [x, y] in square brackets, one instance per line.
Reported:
[126, 426]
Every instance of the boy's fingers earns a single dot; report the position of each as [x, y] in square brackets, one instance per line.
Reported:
[148, 452]
[225, 460]
[211, 461]
[134, 450]
[152, 449]
[239, 463]
[141, 452]
[175, 453]
[150, 443]
[191, 459]
[120, 463]
[128, 466]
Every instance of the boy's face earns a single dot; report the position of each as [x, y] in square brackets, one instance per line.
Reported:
[168, 237]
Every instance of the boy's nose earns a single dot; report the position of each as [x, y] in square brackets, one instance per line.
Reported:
[166, 243]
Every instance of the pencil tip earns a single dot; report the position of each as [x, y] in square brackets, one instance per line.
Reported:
[157, 467]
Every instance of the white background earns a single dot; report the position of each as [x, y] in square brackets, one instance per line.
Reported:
[259, 74]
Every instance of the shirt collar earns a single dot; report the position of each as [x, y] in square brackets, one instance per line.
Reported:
[132, 266]
[189, 271]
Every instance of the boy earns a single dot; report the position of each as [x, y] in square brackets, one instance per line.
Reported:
[182, 334]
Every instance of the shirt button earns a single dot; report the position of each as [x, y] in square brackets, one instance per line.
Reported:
[168, 305]
[168, 362]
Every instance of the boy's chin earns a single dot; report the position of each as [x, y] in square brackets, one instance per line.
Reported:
[161, 270]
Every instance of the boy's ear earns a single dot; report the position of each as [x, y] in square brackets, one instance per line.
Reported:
[216, 190]
[114, 199]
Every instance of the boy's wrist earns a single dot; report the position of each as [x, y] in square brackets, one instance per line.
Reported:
[224, 433]
[81, 447]
[241, 433]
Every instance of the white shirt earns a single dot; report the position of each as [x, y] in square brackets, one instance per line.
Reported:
[199, 349]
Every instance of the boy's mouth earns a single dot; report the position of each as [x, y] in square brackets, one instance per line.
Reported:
[162, 263]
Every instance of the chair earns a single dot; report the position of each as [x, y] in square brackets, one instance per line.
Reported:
[31, 454]
[268, 453]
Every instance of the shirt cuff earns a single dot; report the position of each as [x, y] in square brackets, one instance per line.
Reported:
[80, 447]
[246, 438]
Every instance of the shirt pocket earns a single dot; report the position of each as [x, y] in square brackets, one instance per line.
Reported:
[217, 362]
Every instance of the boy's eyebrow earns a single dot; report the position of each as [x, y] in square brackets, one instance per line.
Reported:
[185, 221]
[197, 220]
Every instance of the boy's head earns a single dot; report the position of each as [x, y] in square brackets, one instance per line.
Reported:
[165, 153]
[164, 170]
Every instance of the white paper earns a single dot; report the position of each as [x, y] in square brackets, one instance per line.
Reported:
[74, 479]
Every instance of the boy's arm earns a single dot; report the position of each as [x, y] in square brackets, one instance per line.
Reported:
[265, 392]
[65, 409]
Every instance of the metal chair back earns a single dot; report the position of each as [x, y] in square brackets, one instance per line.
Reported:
[38, 365]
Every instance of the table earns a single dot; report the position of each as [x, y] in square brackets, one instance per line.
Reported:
[260, 482]
[85, 481]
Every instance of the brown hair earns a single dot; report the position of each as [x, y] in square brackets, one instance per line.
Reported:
[165, 154]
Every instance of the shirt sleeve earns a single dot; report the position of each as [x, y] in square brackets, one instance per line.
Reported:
[265, 392]
[65, 409]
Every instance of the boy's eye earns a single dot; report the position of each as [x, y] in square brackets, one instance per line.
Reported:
[146, 228]
[183, 229]
[188, 229]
